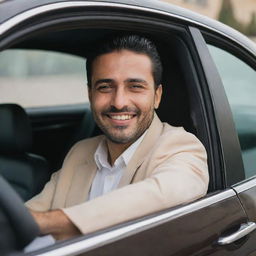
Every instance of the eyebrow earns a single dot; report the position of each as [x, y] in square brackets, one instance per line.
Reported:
[136, 80]
[106, 80]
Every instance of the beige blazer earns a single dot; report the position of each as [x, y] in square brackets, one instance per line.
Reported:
[168, 168]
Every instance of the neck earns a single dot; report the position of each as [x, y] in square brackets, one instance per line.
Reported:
[115, 150]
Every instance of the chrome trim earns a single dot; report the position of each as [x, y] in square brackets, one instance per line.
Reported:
[119, 233]
[247, 184]
[56, 6]
[244, 230]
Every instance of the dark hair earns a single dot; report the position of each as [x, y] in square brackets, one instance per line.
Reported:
[135, 43]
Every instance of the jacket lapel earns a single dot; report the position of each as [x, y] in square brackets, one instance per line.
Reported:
[83, 176]
[142, 151]
[81, 183]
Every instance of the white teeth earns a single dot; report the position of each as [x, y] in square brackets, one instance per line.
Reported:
[122, 117]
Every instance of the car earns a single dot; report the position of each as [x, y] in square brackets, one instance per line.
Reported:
[209, 85]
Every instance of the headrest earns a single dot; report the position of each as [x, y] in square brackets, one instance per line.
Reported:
[15, 129]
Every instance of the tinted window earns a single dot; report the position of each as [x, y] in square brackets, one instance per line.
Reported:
[239, 81]
[34, 78]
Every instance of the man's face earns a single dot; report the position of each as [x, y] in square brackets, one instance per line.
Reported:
[122, 95]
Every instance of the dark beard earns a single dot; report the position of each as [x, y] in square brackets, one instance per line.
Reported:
[124, 139]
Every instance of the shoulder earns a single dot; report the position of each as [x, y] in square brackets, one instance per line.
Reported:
[174, 132]
[176, 139]
[177, 148]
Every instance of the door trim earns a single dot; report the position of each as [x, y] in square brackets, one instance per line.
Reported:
[89, 242]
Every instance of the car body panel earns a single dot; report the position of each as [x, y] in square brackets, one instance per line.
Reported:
[187, 230]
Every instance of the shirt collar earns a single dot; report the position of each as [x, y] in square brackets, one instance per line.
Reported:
[101, 154]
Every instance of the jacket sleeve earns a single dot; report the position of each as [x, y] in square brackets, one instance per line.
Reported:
[176, 176]
[43, 201]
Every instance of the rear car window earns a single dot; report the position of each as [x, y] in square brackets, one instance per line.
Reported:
[239, 80]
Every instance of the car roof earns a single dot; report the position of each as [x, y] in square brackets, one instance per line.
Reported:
[11, 8]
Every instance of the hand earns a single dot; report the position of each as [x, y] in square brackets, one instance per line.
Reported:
[56, 223]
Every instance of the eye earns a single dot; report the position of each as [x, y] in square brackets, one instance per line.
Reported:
[104, 88]
[137, 87]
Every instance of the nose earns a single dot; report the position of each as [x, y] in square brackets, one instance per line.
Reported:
[119, 98]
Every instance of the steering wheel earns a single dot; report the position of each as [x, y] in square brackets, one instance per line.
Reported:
[17, 225]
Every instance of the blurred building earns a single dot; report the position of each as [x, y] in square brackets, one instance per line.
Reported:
[243, 9]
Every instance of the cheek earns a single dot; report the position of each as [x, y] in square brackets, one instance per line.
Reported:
[144, 102]
[98, 102]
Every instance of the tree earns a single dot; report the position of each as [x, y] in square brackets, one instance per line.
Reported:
[227, 16]
[251, 27]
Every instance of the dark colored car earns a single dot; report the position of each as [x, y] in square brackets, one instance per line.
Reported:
[209, 86]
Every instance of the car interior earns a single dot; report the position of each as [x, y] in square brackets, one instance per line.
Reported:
[35, 141]
[25, 171]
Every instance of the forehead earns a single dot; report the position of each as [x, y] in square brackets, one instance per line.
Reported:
[124, 62]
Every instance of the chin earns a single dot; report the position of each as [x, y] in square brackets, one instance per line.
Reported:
[120, 140]
[127, 138]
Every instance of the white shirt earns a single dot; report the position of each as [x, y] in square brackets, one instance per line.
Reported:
[108, 177]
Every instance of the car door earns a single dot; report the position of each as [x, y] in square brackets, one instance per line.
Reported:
[197, 228]
[237, 69]
[192, 229]
[185, 233]
[200, 231]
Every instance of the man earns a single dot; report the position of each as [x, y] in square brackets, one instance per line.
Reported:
[140, 165]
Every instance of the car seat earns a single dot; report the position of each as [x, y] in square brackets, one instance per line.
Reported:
[27, 173]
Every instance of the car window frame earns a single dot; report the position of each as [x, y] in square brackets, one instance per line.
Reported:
[230, 147]
[240, 53]
[236, 109]
[246, 56]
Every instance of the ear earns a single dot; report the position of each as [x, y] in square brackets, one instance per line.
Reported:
[158, 96]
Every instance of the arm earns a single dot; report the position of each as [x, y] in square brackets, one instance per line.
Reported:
[160, 191]
[56, 223]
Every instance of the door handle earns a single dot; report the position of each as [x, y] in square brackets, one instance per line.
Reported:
[244, 230]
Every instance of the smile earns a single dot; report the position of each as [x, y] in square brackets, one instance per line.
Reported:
[121, 117]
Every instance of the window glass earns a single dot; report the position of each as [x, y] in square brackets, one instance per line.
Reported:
[239, 81]
[35, 78]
